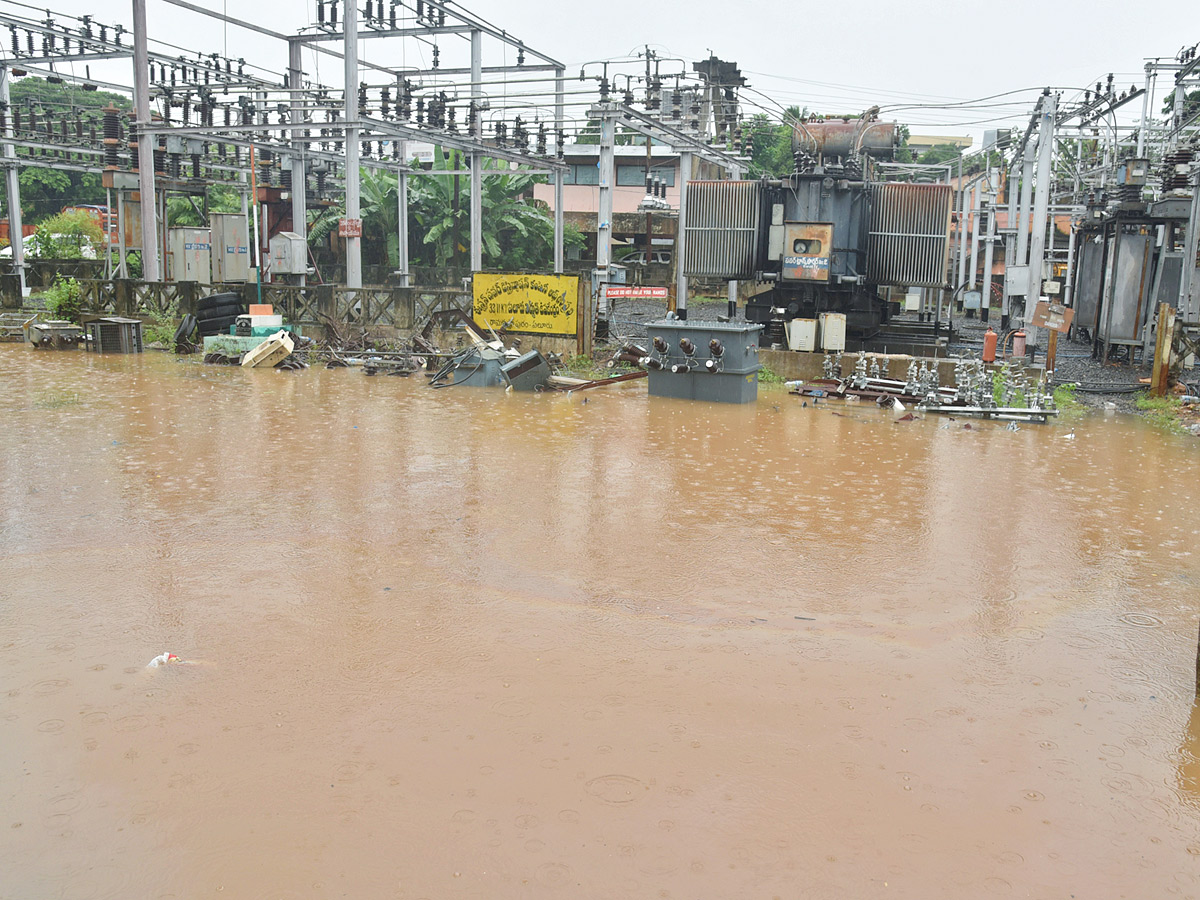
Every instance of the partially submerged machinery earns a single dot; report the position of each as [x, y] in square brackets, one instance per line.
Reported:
[828, 237]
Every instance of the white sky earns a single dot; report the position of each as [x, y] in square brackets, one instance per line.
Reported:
[891, 53]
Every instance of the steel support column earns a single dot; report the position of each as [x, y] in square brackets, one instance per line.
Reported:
[141, 104]
[1069, 287]
[1024, 204]
[402, 266]
[1041, 210]
[476, 179]
[962, 231]
[353, 147]
[976, 205]
[1141, 145]
[735, 174]
[16, 235]
[604, 214]
[681, 280]
[989, 251]
[559, 90]
[1189, 301]
[299, 149]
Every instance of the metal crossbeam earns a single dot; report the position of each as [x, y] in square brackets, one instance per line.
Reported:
[667, 134]
[364, 34]
[258, 29]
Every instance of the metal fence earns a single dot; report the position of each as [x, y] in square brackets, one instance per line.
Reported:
[367, 307]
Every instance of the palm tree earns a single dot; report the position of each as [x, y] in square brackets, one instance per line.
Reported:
[516, 233]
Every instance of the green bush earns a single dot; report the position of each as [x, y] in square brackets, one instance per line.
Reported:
[159, 332]
[767, 375]
[69, 235]
[64, 299]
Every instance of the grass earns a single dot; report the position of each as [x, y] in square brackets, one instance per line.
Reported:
[1068, 405]
[158, 332]
[767, 375]
[1162, 411]
[585, 367]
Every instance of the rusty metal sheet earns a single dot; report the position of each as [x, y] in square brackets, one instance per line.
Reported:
[807, 248]
[845, 138]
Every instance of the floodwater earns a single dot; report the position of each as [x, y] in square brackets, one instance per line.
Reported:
[456, 643]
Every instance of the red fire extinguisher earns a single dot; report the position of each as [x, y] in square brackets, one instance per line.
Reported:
[989, 346]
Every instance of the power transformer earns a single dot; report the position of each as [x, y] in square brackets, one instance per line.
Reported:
[826, 238]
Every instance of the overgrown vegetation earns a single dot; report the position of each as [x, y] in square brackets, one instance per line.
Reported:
[185, 212]
[64, 299]
[585, 367]
[1067, 403]
[68, 235]
[158, 332]
[1162, 411]
[767, 375]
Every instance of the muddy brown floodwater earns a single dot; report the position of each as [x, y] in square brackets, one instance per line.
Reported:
[456, 643]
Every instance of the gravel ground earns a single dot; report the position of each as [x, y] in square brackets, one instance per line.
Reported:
[629, 317]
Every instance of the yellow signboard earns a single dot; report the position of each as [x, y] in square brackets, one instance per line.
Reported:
[538, 304]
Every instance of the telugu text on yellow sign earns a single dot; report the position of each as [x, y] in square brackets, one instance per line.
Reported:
[540, 304]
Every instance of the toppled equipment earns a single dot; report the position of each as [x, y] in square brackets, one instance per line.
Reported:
[53, 335]
[530, 372]
[477, 366]
[12, 326]
[270, 352]
[114, 334]
[487, 363]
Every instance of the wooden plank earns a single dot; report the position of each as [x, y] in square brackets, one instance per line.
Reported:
[1162, 350]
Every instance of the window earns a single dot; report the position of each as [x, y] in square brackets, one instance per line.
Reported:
[635, 176]
[585, 174]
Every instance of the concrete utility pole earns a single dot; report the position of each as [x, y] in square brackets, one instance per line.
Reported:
[681, 280]
[299, 187]
[476, 179]
[402, 216]
[1041, 209]
[16, 236]
[559, 102]
[353, 148]
[141, 102]
[608, 174]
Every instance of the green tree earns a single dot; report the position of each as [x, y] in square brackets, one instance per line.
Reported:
[938, 154]
[44, 192]
[184, 211]
[516, 232]
[1191, 103]
[904, 153]
[771, 145]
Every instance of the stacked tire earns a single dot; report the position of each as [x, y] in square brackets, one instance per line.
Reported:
[217, 313]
